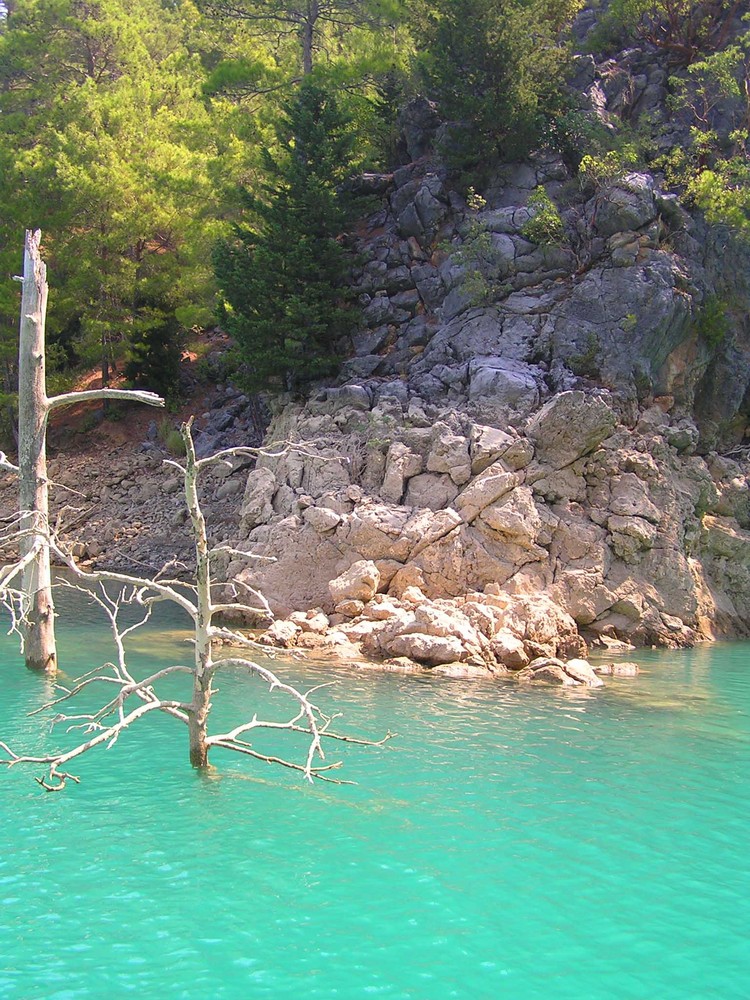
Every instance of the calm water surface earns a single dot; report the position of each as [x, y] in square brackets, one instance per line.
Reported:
[511, 843]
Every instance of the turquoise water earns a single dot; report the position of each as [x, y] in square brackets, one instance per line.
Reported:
[511, 843]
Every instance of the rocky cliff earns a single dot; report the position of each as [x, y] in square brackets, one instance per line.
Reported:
[538, 438]
[526, 415]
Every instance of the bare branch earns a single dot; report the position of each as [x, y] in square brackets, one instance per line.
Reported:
[241, 553]
[135, 395]
[5, 463]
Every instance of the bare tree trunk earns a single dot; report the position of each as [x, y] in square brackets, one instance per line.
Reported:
[34, 408]
[39, 624]
[307, 33]
[204, 667]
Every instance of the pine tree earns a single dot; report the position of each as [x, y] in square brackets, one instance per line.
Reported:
[104, 144]
[495, 65]
[284, 274]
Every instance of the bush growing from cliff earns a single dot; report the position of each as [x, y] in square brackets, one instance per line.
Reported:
[283, 273]
[712, 169]
[545, 227]
[683, 28]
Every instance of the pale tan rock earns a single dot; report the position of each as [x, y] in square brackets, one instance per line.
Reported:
[629, 498]
[349, 608]
[310, 621]
[484, 618]
[509, 650]
[375, 531]
[359, 582]
[519, 454]
[486, 489]
[563, 484]
[515, 517]
[413, 596]
[450, 454]
[406, 577]
[568, 426]
[432, 490]
[428, 649]
[631, 536]
[401, 465]
[460, 670]
[381, 608]
[321, 519]
[257, 505]
[547, 670]
[582, 671]
[617, 669]
[487, 446]
[281, 633]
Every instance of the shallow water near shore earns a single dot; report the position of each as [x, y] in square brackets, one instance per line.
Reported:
[510, 843]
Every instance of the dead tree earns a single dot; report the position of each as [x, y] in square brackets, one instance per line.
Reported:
[37, 626]
[132, 698]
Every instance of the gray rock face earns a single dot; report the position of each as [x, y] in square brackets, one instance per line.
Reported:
[569, 426]
[628, 204]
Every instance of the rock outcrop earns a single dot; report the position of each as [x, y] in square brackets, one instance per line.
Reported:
[542, 419]
[531, 446]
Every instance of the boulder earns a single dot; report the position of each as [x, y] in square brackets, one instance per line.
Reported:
[428, 649]
[358, 583]
[401, 465]
[257, 507]
[583, 672]
[570, 425]
[509, 650]
[450, 454]
[432, 490]
[626, 204]
[507, 384]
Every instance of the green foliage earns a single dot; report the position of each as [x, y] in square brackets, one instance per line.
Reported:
[103, 145]
[712, 324]
[598, 171]
[283, 273]
[156, 341]
[476, 256]
[545, 227]
[683, 28]
[171, 438]
[586, 363]
[714, 171]
[498, 66]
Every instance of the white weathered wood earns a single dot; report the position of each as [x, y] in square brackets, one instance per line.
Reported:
[113, 717]
[134, 395]
[39, 626]
[34, 408]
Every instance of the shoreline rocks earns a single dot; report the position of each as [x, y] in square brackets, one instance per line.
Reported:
[488, 634]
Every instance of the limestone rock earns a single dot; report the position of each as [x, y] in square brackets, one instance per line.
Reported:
[322, 519]
[570, 425]
[626, 204]
[515, 517]
[617, 669]
[358, 583]
[492, 484]
[257, 503]
[401, 464]
[509, 650]
[450, 454]
[430, 489]
[427, 649]
[281, 633]
[583, 672]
